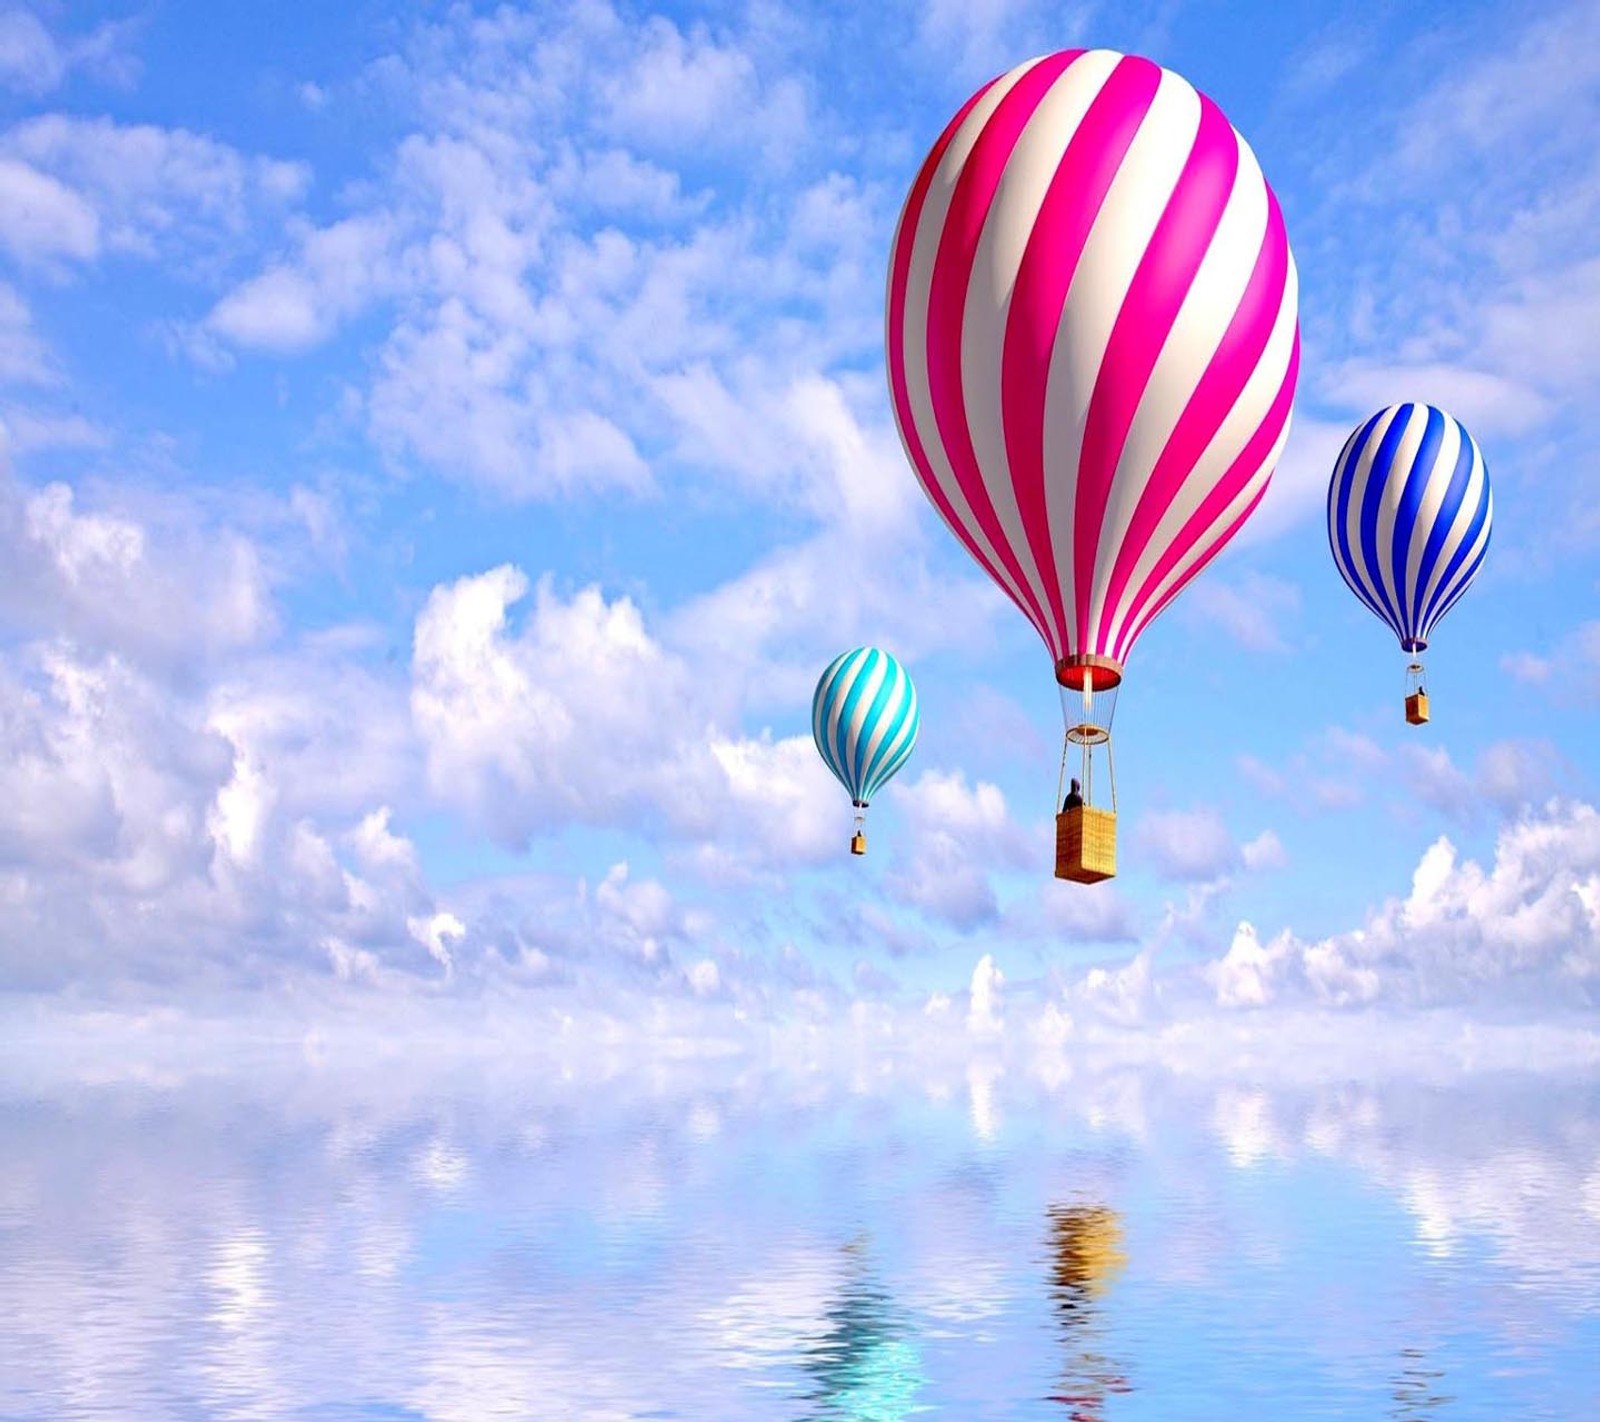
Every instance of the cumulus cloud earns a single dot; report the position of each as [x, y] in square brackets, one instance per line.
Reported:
[1265, 851]
[44, 218]
[1523, 932]
[957, 835]
[534, 347]
[165, 593]
[1186, 844]
[288, 309]
[1125, 994]
[74, 187]
[985, 1014]
[186, 804]
[584, 716]
[685, 92]
[143, 845]
[1508, 776]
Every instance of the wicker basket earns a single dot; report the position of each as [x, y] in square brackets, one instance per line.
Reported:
[858, 844]
[1086, 844]
[1417, 708]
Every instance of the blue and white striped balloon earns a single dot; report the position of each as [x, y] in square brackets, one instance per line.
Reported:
[1409, 516]
[864, 720]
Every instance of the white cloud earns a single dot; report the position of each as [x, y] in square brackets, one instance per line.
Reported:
[535, 348]
[583, 716]
[1123, 995]
[145, 843]
[956, 835]
[1265, 851]
[1546, 324]
[1186, 844]
[704, 978]
[24, 359]
[572, 718]
[980, 38]
[1249, 609]
[286, 309]
[1090, 913]
[1243, 976]
[437, 932]
[460, 394]
[687, 92]
[1570, 670]
[25, 431]
[1484, 299]
[76, 186]
[1522, 92]
[1299, 488]
[1508, 776]
[1522, 933]
[41, 218]
[168, 594]
[33, 61]
[985, 1011]
[1487, 403]
[30, 62]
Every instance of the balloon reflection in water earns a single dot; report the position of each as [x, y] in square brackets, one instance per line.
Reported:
[864, 1366]
[1086, 1254]
[1414, 1394]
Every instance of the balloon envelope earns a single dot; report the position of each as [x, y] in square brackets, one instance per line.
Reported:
[864, 719]
[1410, 513]
[1093, 340]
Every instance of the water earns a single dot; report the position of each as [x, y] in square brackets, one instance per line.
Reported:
[294, 1239]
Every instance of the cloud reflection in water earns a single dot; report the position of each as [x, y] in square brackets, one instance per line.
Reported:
[313, 1240]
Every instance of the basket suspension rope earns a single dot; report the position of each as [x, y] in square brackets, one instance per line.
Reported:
[1111, 774]
[1061, 780]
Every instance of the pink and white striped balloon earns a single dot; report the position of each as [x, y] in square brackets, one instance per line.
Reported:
[1093, 339]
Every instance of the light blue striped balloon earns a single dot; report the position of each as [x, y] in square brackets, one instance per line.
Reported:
[864, 720]
[1409, 516]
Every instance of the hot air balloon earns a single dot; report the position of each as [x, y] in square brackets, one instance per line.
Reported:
[1409, 516]
[864, 720]
[1092, 344]
[1087, 1254]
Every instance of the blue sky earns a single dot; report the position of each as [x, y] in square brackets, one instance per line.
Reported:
[442, 447]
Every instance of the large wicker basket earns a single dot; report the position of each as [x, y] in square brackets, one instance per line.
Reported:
[1086, 844]
[1417, 708]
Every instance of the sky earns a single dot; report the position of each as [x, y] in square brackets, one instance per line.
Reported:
[440, 447]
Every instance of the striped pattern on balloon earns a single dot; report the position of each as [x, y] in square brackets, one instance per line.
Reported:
[864, 719]
[1092, 340]
[1410, 513]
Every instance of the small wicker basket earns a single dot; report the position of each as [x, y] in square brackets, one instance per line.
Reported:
[858, 844]
[1417, 708]
[1086, 844]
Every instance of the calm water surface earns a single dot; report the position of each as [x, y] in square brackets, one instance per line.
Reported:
[716, 1242]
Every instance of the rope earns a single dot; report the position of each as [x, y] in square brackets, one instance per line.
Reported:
[1061, 780]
